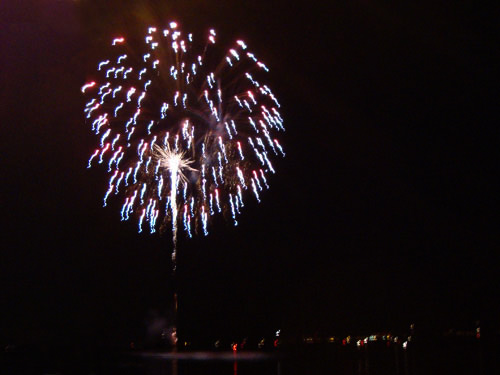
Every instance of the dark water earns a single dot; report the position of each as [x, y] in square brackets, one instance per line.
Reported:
[429, 358]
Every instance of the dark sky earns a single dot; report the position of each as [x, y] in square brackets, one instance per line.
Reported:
[383, 213]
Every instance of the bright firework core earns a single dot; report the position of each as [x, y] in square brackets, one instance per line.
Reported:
[185, 129]
[174, 161]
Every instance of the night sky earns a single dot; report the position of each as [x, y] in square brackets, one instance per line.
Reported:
[383, 213]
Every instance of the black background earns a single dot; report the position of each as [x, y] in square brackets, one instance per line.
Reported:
[383, 213]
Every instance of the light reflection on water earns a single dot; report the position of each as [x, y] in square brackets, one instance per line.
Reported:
[204, 362]
[425, 358]
[393, 361]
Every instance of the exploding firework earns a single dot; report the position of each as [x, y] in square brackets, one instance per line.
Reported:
[184, 130]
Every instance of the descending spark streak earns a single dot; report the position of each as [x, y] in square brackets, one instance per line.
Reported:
[107, 194]
[87, 86]
[194, 133]
[118, 41]
[92, 157]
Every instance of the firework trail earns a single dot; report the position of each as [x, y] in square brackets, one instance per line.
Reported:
[184, 129]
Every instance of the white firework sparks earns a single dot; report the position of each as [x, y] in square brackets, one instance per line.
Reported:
[182, 130]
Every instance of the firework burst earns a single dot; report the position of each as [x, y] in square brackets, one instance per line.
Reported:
[185, 130]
